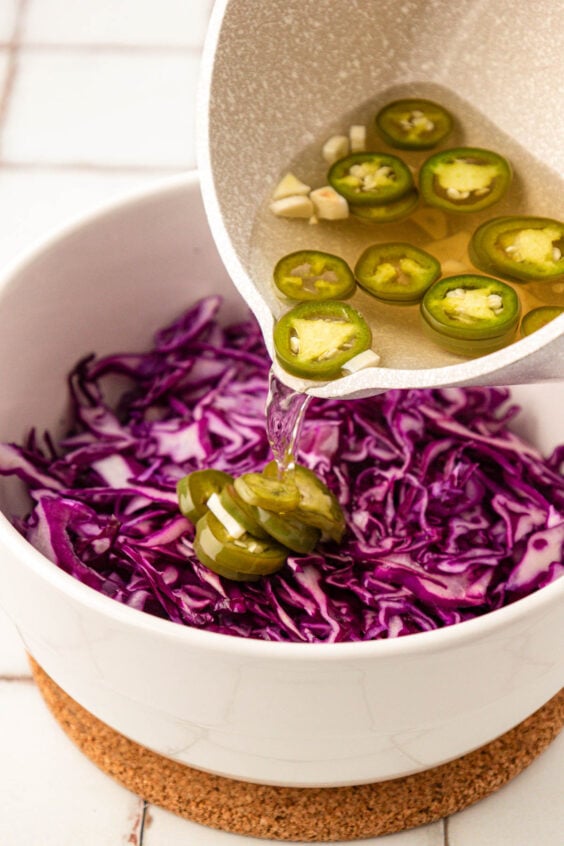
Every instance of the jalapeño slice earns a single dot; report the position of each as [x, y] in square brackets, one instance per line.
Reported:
[244, 558]
[243, 513]
[195, 489]
[397, 272]
[289, 531]
[314, 340]
[470, 314]
[370, 178]
[314, 275]
[520, 248]
[318, 506]
[388, 213]
[413, 124]
[539, 317]
[274, 494]
[464, 179]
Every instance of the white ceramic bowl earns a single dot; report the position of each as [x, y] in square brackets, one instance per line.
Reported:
[288, 714]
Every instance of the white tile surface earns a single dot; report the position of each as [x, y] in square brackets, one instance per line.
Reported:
[170, 22]
[526, 812]
[104, 108]
[8, 12]
[51, 794]
[13, 660]
[4, 58]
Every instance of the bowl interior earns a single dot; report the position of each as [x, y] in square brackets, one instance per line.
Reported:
[104, 285]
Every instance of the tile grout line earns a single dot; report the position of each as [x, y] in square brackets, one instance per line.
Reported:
[93, 167]
[101, 47]
[446, 839]
[144, 819]
[11, 71]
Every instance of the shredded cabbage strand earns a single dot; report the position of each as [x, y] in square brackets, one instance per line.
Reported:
[450, 515]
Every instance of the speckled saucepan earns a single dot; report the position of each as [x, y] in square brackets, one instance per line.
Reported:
[281, 77]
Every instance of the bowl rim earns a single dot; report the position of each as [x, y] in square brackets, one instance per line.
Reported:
[434, 641]
[124, 199]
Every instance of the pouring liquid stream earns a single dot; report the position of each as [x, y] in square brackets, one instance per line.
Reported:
[285, 412]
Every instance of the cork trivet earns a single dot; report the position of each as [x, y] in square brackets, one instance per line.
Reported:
[305, 814]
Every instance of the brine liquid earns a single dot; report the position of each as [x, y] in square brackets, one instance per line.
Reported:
[285, 410]
[397, 333]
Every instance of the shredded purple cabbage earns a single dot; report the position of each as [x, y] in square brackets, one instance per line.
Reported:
[450, 515]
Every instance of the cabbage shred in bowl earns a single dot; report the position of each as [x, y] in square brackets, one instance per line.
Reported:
[450, 515]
